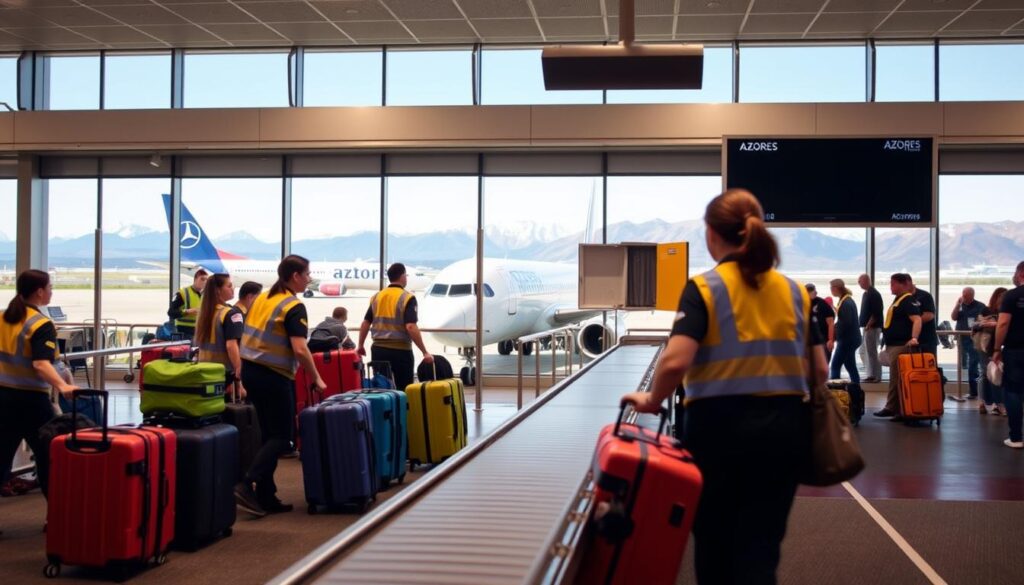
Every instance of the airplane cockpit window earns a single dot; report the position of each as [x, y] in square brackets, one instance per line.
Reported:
[439, 290]
[460, 290]
[488, 291]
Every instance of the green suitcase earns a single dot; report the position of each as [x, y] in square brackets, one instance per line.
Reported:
[184, 388]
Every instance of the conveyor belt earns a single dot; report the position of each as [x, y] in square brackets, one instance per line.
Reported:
[490, 520]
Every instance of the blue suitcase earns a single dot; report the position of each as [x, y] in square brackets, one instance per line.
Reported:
[390, 434]
[338, 460]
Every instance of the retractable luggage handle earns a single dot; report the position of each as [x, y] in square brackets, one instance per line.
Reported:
[77, 445]
[662, 413]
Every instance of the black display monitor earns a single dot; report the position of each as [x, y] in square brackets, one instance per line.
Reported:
[836, 181]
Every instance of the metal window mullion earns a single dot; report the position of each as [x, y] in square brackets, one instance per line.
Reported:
[26, 81]
[479, 335]
[869, 253]
[383, 222]
[174, 242]
[604, 199]
[735, 72]
[42, 82]
[286, 212]
[477, 74]
[936, 70]
[383, 85]
[871, 77]
[103, 81]
[177, 79]
[97, 289]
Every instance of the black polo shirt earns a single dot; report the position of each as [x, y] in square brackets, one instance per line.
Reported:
[929, 337]
[871, 305]
[901, 329]
[1013, 303]
[821, 313]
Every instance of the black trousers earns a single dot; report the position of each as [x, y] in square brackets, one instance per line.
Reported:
[749, 450]
[273, 395]
[22, 413]
[403, 364]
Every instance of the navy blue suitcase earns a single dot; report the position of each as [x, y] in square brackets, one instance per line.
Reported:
[207, 463]
[390, 434]
[338, 459]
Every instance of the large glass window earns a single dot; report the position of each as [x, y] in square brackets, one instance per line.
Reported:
[903, 250]
[432, 230]
[514, 76]
[802, 74]
[661, 209]
[716, 87]
[74, 82]
[8, 230]
[430, 78]
[981, 72]
[336, 224]
[141, 81]
[135, 252]
[71, 246]
[231, 225]
[819, 255]
[236, 80]
[9, 80]
[343, 78]
[904, 73]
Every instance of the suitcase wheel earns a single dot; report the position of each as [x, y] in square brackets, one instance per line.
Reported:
[51, 570]
[311, 509]
[160, 559]
[401, 479]
[364, 507]
[129, 377]
[228, 532]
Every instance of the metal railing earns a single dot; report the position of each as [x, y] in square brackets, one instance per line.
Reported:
[567, 335]
[959, 363]
[109, 329]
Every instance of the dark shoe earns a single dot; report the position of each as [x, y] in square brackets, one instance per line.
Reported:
[884, 413]
[289, 455]
[972, 397]
[276, 506]
[245, 498]
[898, 418]
[871, 380]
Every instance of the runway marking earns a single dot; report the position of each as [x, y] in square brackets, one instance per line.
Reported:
[917, 559]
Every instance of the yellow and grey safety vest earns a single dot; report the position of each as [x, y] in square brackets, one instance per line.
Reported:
[16, 369]
[756, 339]
[264, 338]
[215, 348]
[192, 299]
[388, 326]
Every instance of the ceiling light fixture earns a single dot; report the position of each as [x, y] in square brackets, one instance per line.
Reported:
[156, 160]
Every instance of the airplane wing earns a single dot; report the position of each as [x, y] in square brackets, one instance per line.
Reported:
[573, 315]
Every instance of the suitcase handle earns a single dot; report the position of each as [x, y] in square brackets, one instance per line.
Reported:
[76, 445]
[662, 413]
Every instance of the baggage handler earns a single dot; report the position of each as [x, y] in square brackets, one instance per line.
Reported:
[391, 320]
[246, 295]
[742, 338]
[28, 348]
[217, 336]
[1009, 351]
[900, 332]
[273, 345]
[185, 305]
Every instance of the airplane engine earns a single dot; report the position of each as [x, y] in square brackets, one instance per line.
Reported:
[333, 288]
[596, 336]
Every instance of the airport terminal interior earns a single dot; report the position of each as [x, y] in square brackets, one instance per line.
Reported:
[142, 140]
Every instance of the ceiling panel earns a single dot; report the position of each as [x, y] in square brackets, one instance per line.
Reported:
[147, 14]
[999, 20]
[423, 9]
[862, 5]
[47, 34]
[999, 5]
[772, 23]
[917, 22]
[9, 17]
[114, 34]
[647, 7]
[427, 30]
[575, 27]
[355, 10]
[712, 24]
[176, 34]
[650, 25]
[73, 16]
[244, 32]
[940, 5]
[786, 6]
[860, 24]
[212, 13]
[377, 32]
[495, 8]
[721, 7]
[298, 31]
[551, 8]
[281, 11]
[499, 28]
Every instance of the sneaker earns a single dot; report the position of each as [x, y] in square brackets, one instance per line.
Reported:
[245, 498]
[884, 413]
[983, 408]
[1014, 444]
[276, 506]
[871, 380]
[999, 409]
[972, 397]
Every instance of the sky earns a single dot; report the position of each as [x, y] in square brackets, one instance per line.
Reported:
[324, 207]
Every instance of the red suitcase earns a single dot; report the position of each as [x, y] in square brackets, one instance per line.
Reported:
[111, 501]
[342, 371]
[647, 489]
[182, 351]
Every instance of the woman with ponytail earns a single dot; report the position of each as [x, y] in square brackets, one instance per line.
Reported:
[739, 345]
[28, 348]
[217, 336]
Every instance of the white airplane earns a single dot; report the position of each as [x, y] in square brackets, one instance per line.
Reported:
[520, 297]
[331, 279]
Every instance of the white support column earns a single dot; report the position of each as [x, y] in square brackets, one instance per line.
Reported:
[32, 216]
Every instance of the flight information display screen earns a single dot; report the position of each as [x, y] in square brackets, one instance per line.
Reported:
[852, 181]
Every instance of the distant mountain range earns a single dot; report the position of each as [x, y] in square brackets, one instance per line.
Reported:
[962, 245]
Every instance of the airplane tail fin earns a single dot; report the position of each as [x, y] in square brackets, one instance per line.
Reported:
[196, 247]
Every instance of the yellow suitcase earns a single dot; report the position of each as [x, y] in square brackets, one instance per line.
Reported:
[437, 420]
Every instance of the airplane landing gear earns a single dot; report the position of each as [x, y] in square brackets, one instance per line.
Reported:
[468, 372]
[307, 293]
[506, 346]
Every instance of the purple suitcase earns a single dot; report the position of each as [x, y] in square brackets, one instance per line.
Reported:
[338, 457]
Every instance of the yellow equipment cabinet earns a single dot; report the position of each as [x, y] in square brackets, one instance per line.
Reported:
[632, 275]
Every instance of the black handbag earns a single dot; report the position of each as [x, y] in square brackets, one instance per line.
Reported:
[834, 454]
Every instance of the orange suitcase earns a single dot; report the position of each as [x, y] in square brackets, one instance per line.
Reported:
[921, 394]
[915, 360]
